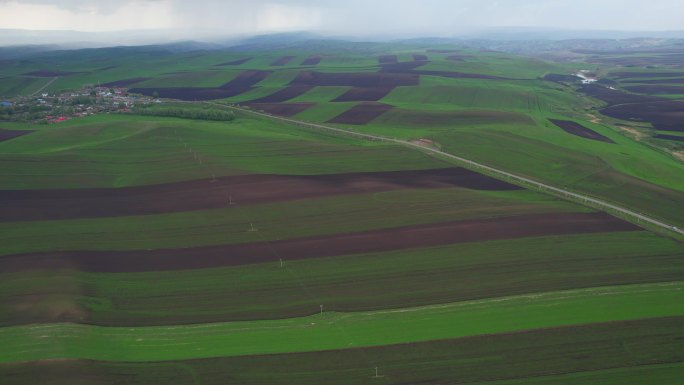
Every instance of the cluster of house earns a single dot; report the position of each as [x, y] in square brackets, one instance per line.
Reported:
[89, 100]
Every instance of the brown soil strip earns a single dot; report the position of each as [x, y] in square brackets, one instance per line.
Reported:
[459, 75]
[403, 67]
[283, 61]
[632, 75]
[667, 115]
[443, 50]
[234, 62]
[656, 81]
[577, 129]
[242, 83]
[670, 137]
[281, 109]
[11, 134]
[387, 59]
[560, 78]
[655, 89]
[356, 79]
[364, 94]
[419, 57]
[434, 234]
[312, 61]
[284, 94]
[125, 82]
[361, 113]
[17, 205]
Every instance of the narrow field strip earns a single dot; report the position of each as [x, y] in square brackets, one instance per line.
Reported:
[377, 240]
[328, 331]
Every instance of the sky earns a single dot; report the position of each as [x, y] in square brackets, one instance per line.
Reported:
[339, 17]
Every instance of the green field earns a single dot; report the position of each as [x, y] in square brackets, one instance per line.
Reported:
[478, 306]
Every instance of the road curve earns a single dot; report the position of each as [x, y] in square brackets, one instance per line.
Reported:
[637, 217]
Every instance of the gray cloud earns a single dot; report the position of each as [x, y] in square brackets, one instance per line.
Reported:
[343, 17]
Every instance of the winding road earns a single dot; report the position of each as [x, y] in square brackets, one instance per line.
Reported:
[581, 198]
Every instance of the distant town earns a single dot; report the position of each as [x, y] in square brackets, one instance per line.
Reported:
[54, 108]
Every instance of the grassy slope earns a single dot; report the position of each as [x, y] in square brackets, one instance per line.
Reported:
[351, 213]
[353, 283]
[615, 353]
[124, 150]
[343, 330]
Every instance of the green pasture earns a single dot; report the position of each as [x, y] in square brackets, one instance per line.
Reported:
[333, 330]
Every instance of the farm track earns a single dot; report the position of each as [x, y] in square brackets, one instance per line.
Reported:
[587, 200]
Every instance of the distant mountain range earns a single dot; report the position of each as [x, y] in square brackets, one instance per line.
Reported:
[17, 44]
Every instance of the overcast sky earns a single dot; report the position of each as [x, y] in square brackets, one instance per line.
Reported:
[340, 17]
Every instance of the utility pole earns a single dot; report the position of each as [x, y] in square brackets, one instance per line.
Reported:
[321, 309]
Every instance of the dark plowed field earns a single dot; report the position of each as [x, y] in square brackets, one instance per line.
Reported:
[312, 61]
[434, 234]
[241, 84]
[282, 109]
[11, 134]
[458, 75]
[125, 82]
[234, 62]
[245, 189]
[577, 129]
[655, 81]
[364, 94]
[282, 61]
[356, 79]
[284, 94]
[670, 137]
[553, 355]
[631, 75]
[443, 50]
[654, 89]
[561, 78]
[50, 74]
[419, 57]
[615, 96]
[387, 59]
[664, 115]
[403, 67]
[361, 113]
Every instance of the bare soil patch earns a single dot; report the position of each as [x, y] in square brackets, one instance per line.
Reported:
[420, 57]
[282, 61]
[670, 137]
[655, 89]
[284, 94]
[11, 134]
[356, 79]
[364, 94]
[281, 109]
[234, 62]
[362, 113]
[387, 59]
[665, 115]
[312, 61]
[18, 205]
[434, 234]
[242, 83]
[577, 129]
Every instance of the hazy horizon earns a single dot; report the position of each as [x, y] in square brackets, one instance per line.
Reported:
[354, 18]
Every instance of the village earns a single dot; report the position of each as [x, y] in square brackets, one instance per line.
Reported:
[54, 108]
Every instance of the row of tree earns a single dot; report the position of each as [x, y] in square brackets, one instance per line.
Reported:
[187, 113]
